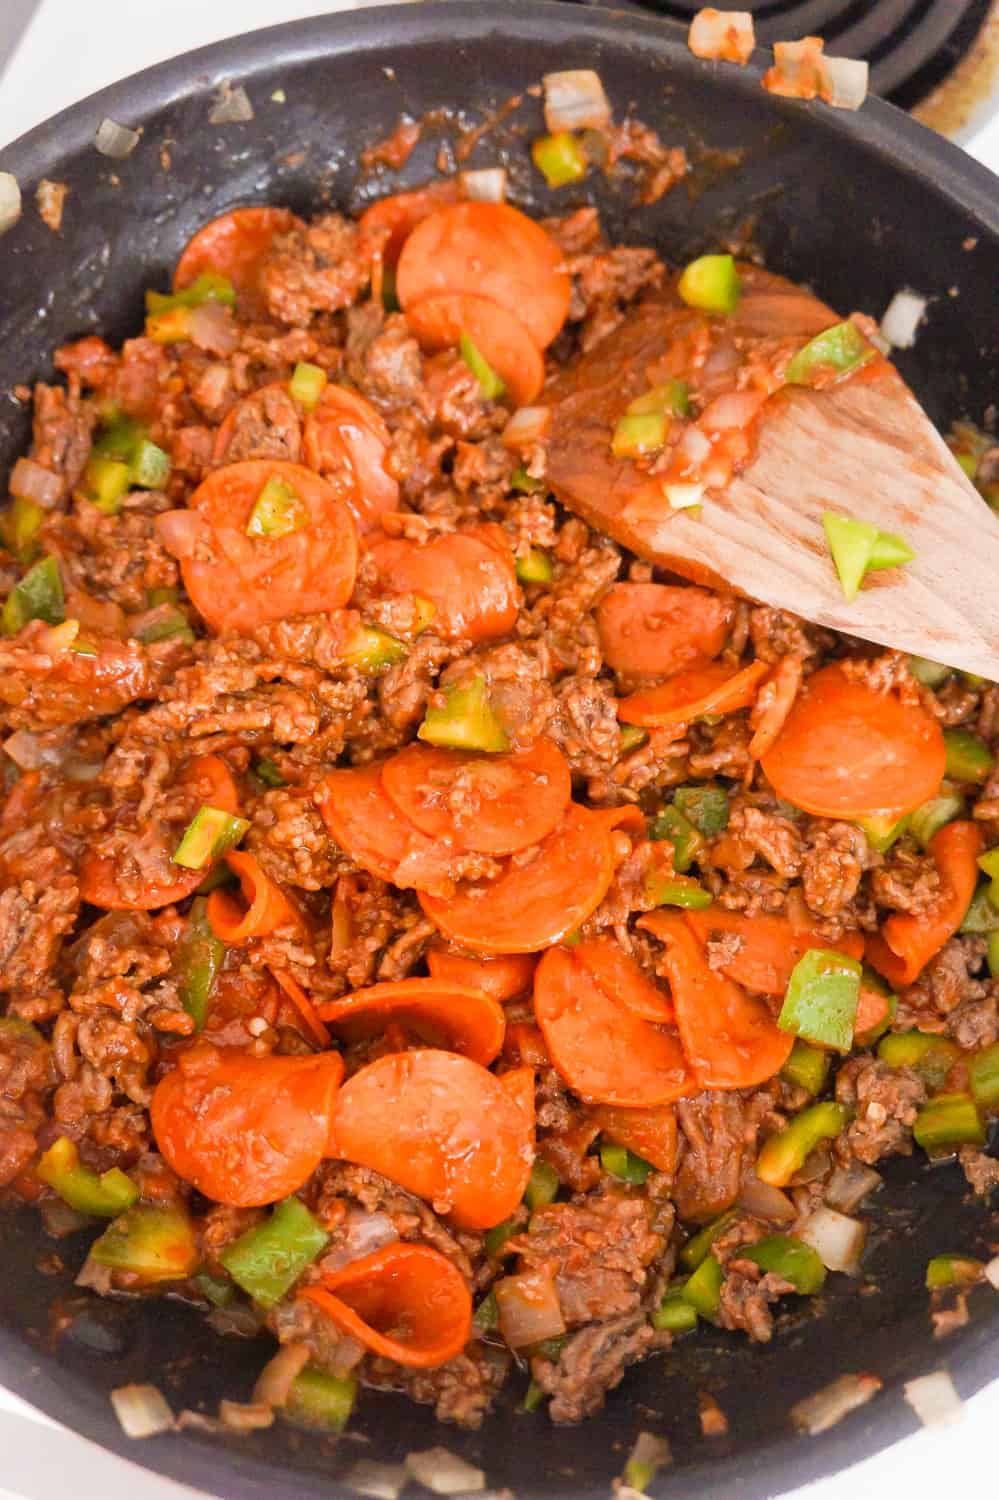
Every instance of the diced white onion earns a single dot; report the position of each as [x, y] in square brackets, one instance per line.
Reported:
[818, 1413]
[766, 1202]
[694, 446]
[528, 425]
[114, 140]
[444, 1473]
[849, 1186]
[484, 185]
[142, 1410]
[795, 73]
[10, 201]
[650, 1452]
[25, 750]
[243, 1416]
[379, 1481]
[734, 409]
[179, 531]
[837, 1239]
[722, 36]
[844, 81]
[992, 1272]
[529, 1309]
[934, 1399]
[902, 318]
[575, 100]
[275, 1380]
[30, 480]
[211, 328]
[232, 105]
[683, 496]
[364, 1234]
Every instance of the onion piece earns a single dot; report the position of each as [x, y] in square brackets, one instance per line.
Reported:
[765, 1202]
[275, 1380]
[444, 1473]
[934, 1399]
[379, 1481]
[722, 36]
[528, 425]
[364, 1233]
[734, 409]
[647, 1457]
[243, 1416]
[179, 531]
[992, 1272]
[142, 1410]
[902, 318]
[683, 496]
[484, 185]
[575, 100]
[211, 328]
[232, 105]
[837, 1239]
[10, 201]
[844, 81]
[529, 1309]
[849, 1186]
[114, 140]
[815, 1414]
[51, 199]
[796, 70]
[694, 446]
[30, 480]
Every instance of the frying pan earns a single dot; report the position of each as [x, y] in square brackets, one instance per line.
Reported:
[856, 205]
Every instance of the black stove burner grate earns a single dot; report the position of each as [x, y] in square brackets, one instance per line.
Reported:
[911, 45]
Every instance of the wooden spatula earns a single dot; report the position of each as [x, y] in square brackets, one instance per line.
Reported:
[863, 448]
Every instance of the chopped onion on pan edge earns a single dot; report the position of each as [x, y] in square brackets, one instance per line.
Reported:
[837, 1239]
[766, 1202]
[902, 318]
[484, 185]
[232, 105]
[245, 1416]
[379, 1481]
[575, 101]
[114, 140]
[722, 36]
[849, 1186]
[444, 1472]
[934, 1399]
[527, 425]
[845, 81]
[815, 1414]
[992, 1272]
[10, 201]
[142, 1410]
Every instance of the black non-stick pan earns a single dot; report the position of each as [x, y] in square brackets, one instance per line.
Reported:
[858, 206]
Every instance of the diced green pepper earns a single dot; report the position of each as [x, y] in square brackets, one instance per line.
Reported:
[704, 806]
[859, 548]
[166, 595]
[524, 483]
[638, 435]
[785, 1154]
[953, 1270]
[542, 1185]
[983, 1071]
[425, 610]
[210, 286]
[932, 1057]
[672, 398]
[820, 1004]
[674, 1313]
[969, 758]
[307, 384]
[267, 1261]
[968, 462]
[882, 832]
[390, 294]
[216, 1291]
[559, 158]
[467, 720]
[841, 349]
[930, 673]
[702, 1289]
[36, 596]
[105, 1195]
[278, 511]
[119, 438]
[267, 772]
[533, 1397]
[688, 843]
[789, 1258]
[535, 566]
[889, 551]
[172, 626]
[171, 326]
[20, 525]
[320, 1400]
[105, 483]
[490, 384]
[151, 1244]
[486, 1315]
[807, 1066]
[150, 466]
[992, 954]
[928, 819]
[631, 738]
[198, 958]
[981, 915]
[623, 1164]
[209, 835]
[949, 1120]
[711, 283]
[685, 893]
[697, 1248]
[989, 864]
[496, 1238]
[373, 650]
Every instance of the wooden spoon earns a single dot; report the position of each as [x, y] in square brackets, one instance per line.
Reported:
[863, 447]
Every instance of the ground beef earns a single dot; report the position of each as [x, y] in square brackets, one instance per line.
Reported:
[599, 1252]
[264, 425]
[710, 1164]
[948, 981]
[61, 433]
[747, 1296]
[885, 1100]
[907, 881]
[290, 840]
[460, 1391]
[591, 1363]
[833, 865]
[774, 838]
[981, 1170]
[318, 268]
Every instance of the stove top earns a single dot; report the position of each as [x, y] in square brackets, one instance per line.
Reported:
[916, 48]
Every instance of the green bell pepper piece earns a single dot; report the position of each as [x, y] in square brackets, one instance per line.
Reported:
[982, 915]
[820, 1004]
[639, 434]
[467, 720]
[150, 1244]
[631, 737]
[559, 158]
[952, 1270]
[785, 1154]
[490, 384]
[841, 349]
[624, 1164]
[702, 1289]
[278, 511]
[267, 1261]
[542, 1185]
[266, 771]
[711, 283]
[969, 759]
[697, 1248]
[673, 825]
[882, 832]
[691, 896]
[672, 399]
[931, 1056]
[36, 596]
[928, 819]
[307, 384]
[320, 1400]
[209, 835]
[789, 1258]
[947, 1121]
[373, 650]
[674, 1314]
[807, 1066]
[497, 1237]
[210, 286]
[984, 1076]
[20, 525]
[105, 1195]
[930, 673]
[486, 1315]
[535, 567]
[150, 466]
[704, 806]
[199, 957]
[525, 484]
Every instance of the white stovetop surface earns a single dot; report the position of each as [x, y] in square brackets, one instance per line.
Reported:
[71, 48]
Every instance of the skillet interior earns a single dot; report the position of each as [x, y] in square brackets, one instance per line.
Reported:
[858, 206]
